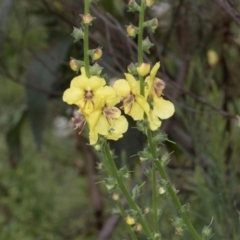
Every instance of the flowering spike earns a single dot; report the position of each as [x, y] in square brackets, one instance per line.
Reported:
[77, 34]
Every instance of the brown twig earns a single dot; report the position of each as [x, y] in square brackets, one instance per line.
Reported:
[228, 8]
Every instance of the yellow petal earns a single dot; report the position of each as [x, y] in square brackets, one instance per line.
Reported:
[72, 95]
[102, 126]
[162, 108]
[148, 86]
[154, 70]
[79, 82]
[121, 87]
[143, 103]
[96, 82]
[112, 101]
[93, 118]
[114, 136]
[134, 85]
[105, 92]
[120, 125]
[154, 122]
[93, 137]
[136, 112]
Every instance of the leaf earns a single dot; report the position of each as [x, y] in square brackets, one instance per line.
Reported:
[13, 136]
[40, 76]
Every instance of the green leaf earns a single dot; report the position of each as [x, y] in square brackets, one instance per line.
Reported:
[40, 76]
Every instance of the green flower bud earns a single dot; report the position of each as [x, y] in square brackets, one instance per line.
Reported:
[146, 45]
[133, 6]
[77, 34]
[96, 70]
[132, 69]
[151, 24]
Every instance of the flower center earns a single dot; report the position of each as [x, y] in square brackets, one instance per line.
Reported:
[79, 122]
[158, 86]
[128, 102]
[111, 113]
[88, 98]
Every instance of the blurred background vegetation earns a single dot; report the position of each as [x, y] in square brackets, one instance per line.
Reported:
[48, 172]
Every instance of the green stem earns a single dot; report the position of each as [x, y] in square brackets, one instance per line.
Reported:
[177, 203]
[140, 40]
[154, 181]
[154, 199]
[85, 39]
[133, 236]
[140, 31]
[170, 189]
[125, 192]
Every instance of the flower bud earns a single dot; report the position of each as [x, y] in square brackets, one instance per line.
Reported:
[130, 220]
[151, 24]
[77, 34]
[96, 70]
[115, 197]
[206, 232]
[132, 69]
[139, 227]
[97, 54]
[133, 6]
[146, 44]
[149, 3]
[87, 19]
[97, 147]
[131, 30]
[143, 69]
[212, 57]
[161, 190]
[75, 64]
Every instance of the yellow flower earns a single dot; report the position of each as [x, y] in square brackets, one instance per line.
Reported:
[134, 104]
[83, 92]
[162, 108]
[107, 120]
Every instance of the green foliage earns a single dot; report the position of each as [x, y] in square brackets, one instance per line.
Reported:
[42, 195]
